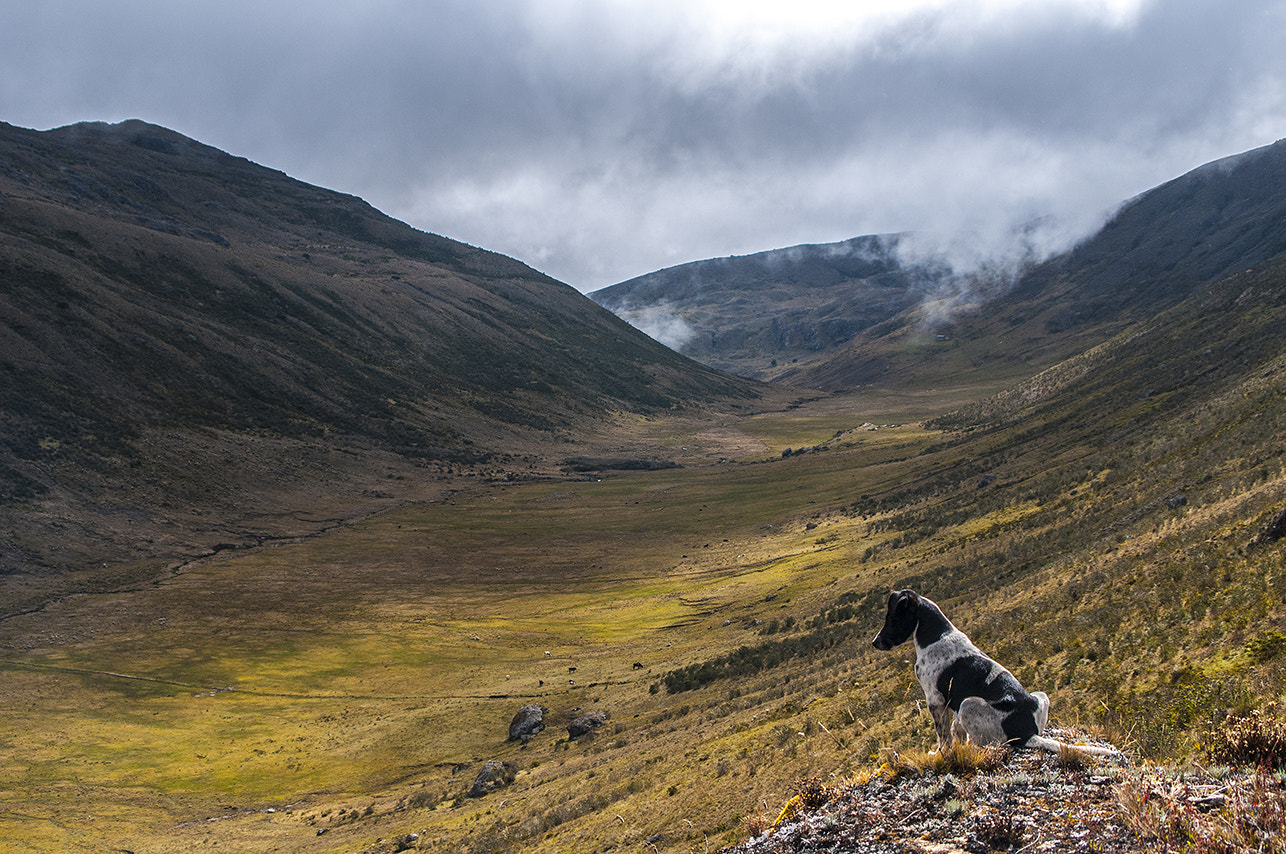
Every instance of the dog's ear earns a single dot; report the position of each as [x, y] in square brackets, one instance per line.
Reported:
[898, 602]
[904, 600]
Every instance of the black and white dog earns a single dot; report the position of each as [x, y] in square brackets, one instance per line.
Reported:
[989, 705]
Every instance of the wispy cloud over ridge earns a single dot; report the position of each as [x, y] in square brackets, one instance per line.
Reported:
[660, 323]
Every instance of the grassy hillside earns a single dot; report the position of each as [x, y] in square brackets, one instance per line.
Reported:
[1096, 528]
[1159, 248]
[198, 351]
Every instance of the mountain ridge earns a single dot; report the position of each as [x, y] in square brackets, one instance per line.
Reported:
[717, 306]
[163, 297]
[1021, 313]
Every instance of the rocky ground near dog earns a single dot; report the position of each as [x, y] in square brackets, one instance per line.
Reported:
[1029, 802]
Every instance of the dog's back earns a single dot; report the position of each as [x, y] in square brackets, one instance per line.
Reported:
[970, 695]
[979, 677]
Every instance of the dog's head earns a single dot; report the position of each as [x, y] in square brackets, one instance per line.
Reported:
[900, 621]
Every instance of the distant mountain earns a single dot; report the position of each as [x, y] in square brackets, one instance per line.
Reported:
[886, 323]
[749, 314]
[1160, 248]
[156, 291]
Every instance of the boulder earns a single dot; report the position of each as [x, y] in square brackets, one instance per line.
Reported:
[1273, 531]
[529, 721]
[494, 775]
[585, 724]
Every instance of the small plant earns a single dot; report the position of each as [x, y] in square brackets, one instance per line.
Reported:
[961, 758]
[999, 832]
[790, 811]
[1071, 759]
[1256, 739]
[756, 825]
[813, 793]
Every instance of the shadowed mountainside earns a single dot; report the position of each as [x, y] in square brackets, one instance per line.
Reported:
[745, 314]
[165, 303]
[1103, 529]
[844, 315]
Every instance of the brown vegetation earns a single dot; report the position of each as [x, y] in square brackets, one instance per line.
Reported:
[314, 643]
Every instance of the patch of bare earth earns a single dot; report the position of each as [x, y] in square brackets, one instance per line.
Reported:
[1030, 802]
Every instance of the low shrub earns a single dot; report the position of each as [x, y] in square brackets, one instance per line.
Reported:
[999, 832]
[961, 758]
[1246, 816]
[1256, 739]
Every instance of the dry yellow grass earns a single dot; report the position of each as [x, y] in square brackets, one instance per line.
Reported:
[374, 668]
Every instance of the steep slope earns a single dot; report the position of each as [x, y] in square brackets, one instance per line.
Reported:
[843, 315]
[1218, 219]
[1161, 247]
[160, 296]
[749, 314]
[1142, 479]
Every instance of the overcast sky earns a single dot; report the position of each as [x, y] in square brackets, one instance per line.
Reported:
[600, 140]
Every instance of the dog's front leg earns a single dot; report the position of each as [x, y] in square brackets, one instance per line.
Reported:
[942, 723]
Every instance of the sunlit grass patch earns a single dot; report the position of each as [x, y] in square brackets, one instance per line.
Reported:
[961, 758]
[415, 663]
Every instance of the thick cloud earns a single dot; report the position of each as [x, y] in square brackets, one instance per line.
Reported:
[598, 141]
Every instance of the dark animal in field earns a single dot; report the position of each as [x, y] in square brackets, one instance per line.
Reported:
[970, 695]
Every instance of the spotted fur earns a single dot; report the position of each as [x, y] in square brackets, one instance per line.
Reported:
[970, 696]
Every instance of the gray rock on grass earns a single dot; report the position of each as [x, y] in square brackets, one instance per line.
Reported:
[529, 721]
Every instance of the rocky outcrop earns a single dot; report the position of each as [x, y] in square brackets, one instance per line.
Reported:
[586, 724]
[494, 775]
[1273, 531]
[526, 723]
[1025, 801]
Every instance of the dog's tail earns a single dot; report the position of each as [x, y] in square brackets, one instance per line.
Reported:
[1049, 745]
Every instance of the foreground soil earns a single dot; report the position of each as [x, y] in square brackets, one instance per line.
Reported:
[1030, 802]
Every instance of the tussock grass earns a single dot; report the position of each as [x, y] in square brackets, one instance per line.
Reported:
[1257, 739]
[961, 758]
